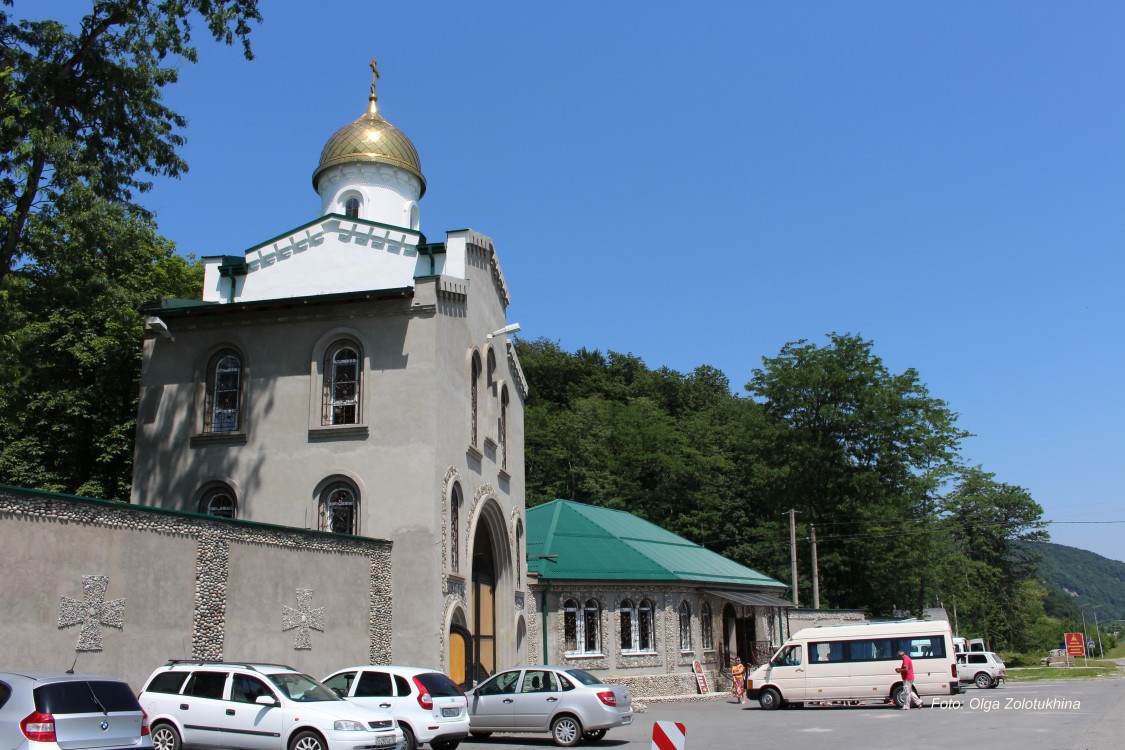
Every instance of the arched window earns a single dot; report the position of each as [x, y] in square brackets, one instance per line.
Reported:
[351, 208]
[224, 380]
[581, 628]
[339, 509]
[455, 528]
[685, 626]
[218, 501]
[502, 431]
[414, 219]
[519, 554]
[637, 627]
[706, 622]
[474, 385]
[341, 384]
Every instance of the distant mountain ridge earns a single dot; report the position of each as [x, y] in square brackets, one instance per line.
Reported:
[1083, 577]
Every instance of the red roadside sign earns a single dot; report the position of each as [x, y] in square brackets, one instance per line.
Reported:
[1075, 644]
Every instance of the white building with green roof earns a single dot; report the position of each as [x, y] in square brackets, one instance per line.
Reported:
[629, 601]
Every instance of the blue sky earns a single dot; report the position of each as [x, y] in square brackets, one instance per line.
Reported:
[702, 183]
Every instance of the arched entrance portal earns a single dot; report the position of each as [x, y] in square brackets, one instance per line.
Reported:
[483, 661]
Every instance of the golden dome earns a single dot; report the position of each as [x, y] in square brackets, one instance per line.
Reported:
[370, 139]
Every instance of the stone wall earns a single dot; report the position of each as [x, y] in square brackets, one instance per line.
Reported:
[119, 589]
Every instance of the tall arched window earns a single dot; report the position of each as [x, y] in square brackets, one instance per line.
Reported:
[218, 501]
[455, 528]
[519, 554]
[685, 626]
[502, 430]
[474, 385]
[339, 509]
[341, 384]
[707, 623]
[351, 208]
[224, 380]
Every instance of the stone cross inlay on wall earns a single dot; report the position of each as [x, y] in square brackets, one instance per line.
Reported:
[92, 613]
[304, 618]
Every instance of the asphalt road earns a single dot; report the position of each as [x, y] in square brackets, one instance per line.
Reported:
[1064, 715]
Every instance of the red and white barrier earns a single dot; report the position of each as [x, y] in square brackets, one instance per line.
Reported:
[669, 735]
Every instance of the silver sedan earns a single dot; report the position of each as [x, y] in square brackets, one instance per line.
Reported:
[570, 704]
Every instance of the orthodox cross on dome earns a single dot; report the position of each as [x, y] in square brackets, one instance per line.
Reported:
[92, 613]
[374, 77]
[304, 619]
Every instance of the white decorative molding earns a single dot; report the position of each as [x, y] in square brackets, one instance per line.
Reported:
[304, 619]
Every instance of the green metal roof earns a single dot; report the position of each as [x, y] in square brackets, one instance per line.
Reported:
[585, 542]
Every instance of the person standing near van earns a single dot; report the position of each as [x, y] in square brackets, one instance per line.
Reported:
[738, 679]
[906, 669]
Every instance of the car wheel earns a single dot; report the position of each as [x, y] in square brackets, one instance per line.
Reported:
[165, 737]
[594, 735]
[566, 730]
[481, 735]
[769, 699]
[983, 680]
[408, 740]
[307, 741]
[445, 744]
[897, 697]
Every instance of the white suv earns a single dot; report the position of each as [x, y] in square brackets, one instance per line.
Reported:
[428, 706]
[194, 703]
[982, 668]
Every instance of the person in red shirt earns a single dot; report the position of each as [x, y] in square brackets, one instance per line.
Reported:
[906, 669]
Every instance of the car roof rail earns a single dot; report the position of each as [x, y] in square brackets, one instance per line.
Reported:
[215, 662]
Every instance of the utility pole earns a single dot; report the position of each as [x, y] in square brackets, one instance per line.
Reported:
[815, 574]
[793, 551]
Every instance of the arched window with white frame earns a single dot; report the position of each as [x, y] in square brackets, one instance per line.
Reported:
[339, 509]
[224, 392]
[685, 626]
[219, 501]
[351, 207]
[581, 628]
[637, 627]
[342, 381]
[455, 527]
[707, 624]
[474, 405]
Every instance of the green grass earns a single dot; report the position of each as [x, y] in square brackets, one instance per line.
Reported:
[1077, 672]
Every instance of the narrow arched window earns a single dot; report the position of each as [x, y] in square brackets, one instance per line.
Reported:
[339, 509]
[351, 208]
[341, 384]
[503, 428]
[645, 627]
[224, 380]
[455, 528]
[474, 385]
[218, 501]
[706, 622]
[519, 553]
[570, 626]
[685, 626]
[591, 631]
[628, 615]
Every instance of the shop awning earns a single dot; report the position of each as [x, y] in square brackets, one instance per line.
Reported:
[750, 598]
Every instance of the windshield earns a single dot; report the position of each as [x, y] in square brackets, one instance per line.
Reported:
[302, 688]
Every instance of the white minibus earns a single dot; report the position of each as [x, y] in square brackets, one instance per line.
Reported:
[851, 663]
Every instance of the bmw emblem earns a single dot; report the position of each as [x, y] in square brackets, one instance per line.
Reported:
[105, 725]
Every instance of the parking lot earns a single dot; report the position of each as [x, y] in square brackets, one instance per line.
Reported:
[1073, 714]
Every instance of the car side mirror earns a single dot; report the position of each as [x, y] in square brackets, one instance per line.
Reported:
[266, 700]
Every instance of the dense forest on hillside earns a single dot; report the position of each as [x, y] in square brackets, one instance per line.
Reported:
[1083, 578]
[866, 456]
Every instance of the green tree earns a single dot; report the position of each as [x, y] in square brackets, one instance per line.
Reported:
[861, 452]
[991, 575]
[86, 109]
[72, 355]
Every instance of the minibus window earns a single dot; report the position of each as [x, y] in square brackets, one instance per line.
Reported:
[788, 657]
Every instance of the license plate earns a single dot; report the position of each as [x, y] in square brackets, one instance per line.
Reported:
[388, 740]
[626, 720]
[451, 711]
